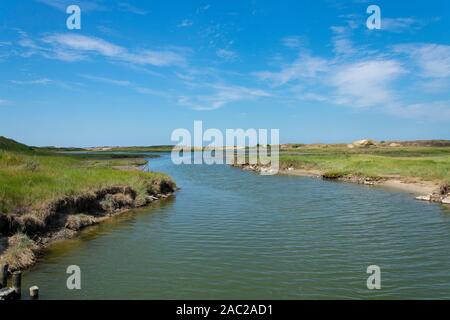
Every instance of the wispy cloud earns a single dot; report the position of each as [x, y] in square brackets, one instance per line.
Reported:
[152, 92]
[127, 7]
[405, 24]
[398, 24]
[435, 110]
[432, 59]
[366, 84]
[44, 82]
[85, 5]
[185, 23]
[360, 76]
[437, 85]
[311, 96]
[361, 84]
[75, 47]
[226, 54]
[108, 30]
[294, 41]
[122, 83]
[4, 102]
[185, 77]
[204, 8]
[342, 44]
[41, 81]
[84, 44]
[125, 83]
[305, 66]
[221, 96]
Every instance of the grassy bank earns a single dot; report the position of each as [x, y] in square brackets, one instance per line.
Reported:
[415, 162]
[46, 196]
[29, 180]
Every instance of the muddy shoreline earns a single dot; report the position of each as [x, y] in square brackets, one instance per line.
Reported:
[25, 237]
[422, 190]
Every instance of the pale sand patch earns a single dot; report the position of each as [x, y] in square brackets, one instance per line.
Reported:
[415, 187]
[302, 173]
[127, 168]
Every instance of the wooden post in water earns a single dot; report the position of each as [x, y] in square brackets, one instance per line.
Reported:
[17, 283]
[34, 293]
[4, 275]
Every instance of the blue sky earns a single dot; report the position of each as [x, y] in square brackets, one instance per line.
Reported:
[137, 70]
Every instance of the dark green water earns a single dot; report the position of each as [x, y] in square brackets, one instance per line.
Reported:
[234, 234]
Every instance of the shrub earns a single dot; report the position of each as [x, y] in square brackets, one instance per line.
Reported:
[31, 164]
[20, 253]
[332, 175]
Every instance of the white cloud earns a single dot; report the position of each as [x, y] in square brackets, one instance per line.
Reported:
[108, 30]
[85, 5]
[84, 44]
[366, 84]
[4, 102]
[311, 96]
[150, 91]
[185, 23]
[342, 45]
[222, 95]
[226, 54]
[305, 66]
[163, 58]
[127, 7]
[121, 83]
[125, 83]
[436, 85]
[45, 82]
[293, 41]
[203, 8]
[435, 110]
[432, 59]
[185, 77]
[400, 24]
[361, 77]
[41, 81]
[75, 47]
[404, 24]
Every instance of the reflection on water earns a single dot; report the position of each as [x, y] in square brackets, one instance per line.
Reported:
[106, 227]
[234, 234]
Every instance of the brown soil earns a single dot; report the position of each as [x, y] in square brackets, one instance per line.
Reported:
[23, 237]
[414, 186]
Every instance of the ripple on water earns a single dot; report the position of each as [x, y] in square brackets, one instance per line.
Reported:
[234, 234]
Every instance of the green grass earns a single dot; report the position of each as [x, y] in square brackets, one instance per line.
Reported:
[11, 145]
[115, 163]
[32, 179]
[426, 163]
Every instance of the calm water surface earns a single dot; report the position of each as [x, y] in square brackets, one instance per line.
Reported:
[234, 234]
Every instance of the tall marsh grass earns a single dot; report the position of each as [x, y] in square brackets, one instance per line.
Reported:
[432, 164]
[31, 180]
